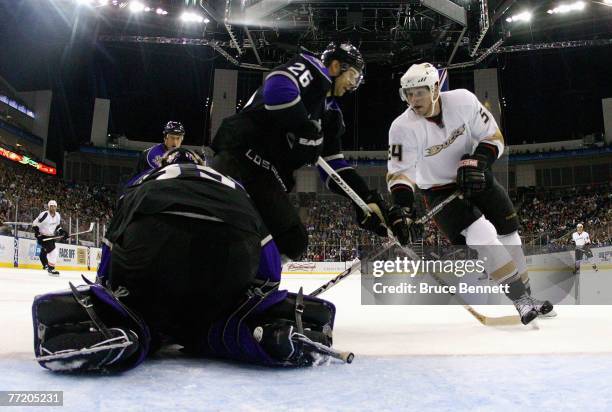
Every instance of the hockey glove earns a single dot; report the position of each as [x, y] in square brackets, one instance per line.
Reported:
[61, 232]
[37, 234]
[471, 175]
[402, 222]
[375, 221]
[306, 143]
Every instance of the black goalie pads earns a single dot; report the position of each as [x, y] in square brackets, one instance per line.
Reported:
[87, 329]
[274, 328]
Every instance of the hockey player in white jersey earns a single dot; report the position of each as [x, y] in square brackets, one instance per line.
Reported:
[46, 225]
[583, 247]
[446, 141]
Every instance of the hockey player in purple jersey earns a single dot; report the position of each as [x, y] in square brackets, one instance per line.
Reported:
[174, 132]
[289, 122]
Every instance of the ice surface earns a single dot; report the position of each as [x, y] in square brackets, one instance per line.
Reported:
[408, 358]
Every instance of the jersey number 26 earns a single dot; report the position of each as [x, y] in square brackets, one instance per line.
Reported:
[297, 69]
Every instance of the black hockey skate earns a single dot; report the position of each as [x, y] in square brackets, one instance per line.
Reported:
[52, 272]
[544, 307]
[526, 308]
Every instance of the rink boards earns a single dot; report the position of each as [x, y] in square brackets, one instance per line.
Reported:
[24, 253]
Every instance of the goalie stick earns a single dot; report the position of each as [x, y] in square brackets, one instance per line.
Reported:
[91, 226]
[485, 320]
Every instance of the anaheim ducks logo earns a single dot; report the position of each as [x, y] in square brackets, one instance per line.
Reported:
[434, 150]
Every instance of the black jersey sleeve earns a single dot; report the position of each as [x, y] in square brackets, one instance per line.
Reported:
[141, 163]
[333, 130]
[283, 100]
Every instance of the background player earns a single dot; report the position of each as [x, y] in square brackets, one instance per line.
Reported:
[174, 132]
[46, 225]
[583, 247]
[446, 141]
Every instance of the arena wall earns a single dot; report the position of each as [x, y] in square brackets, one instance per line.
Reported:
[23, 253]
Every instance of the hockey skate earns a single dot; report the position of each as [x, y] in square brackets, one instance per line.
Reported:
[530, 308]
[544, 308]
[52, 272]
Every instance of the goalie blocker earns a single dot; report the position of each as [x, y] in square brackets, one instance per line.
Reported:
[209, 284]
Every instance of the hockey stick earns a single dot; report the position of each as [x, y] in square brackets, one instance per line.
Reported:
[17, 223]
[317, 347]
[485, 320]
[348, 272]
[366, 209]
[91, 226]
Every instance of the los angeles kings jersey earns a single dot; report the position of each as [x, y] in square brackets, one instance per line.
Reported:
[292, 94]
[425, 154]
[192, 191]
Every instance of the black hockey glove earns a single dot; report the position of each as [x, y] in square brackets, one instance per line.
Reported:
[306, 143]
[37, 234]
[376, 221]
[61, 232]
[402, 222]
[471, 175]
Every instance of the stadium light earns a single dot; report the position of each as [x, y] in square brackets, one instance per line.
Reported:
[137, 7]
[566, 8]
[608, 2]
[161, 11]
[190, 17]
[523, 16]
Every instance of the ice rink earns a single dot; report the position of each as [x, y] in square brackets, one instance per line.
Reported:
[407, 358]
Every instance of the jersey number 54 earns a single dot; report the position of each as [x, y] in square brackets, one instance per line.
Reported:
[395, 150]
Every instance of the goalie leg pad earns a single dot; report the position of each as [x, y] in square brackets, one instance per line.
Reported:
[264, 328]
[87, 329]
[96, 352]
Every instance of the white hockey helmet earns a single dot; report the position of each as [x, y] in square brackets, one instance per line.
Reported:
[419, 75]
[52, 203]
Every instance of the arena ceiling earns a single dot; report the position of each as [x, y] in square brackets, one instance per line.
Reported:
[262, 33]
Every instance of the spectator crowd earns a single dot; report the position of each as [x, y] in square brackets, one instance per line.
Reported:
[548, 218]
[25, 191]
[547, 221]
